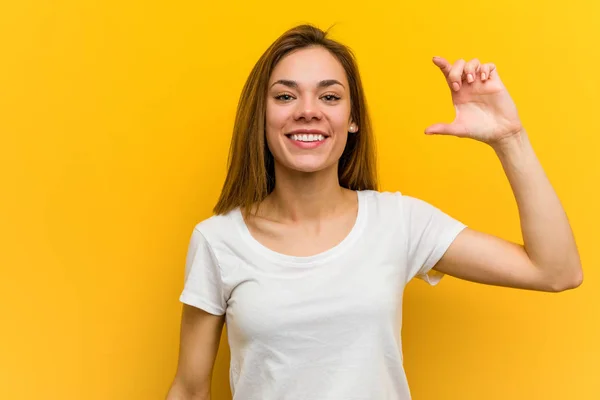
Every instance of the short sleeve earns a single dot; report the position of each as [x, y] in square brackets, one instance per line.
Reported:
[430, 232]
[203, 286]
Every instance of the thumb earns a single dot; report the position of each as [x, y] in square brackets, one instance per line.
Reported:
[446, 129]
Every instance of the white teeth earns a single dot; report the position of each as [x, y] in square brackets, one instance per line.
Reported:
[307, 137]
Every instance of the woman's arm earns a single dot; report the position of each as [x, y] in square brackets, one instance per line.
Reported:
[199, 344]
[548, 260]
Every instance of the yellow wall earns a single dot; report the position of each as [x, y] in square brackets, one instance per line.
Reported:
[115, 120]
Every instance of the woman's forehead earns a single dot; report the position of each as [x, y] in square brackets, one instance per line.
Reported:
[309, 66]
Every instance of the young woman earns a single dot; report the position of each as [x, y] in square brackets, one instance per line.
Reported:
[306, 261]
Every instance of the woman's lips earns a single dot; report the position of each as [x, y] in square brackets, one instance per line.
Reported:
[307, 145]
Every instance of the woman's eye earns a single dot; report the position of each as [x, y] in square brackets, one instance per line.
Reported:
[284, 97]
[331, 97]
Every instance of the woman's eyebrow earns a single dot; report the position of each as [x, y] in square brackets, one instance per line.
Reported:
[321, 84]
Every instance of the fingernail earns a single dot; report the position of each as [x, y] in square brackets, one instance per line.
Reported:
[470, 78]
[455, 86]
[483, 75]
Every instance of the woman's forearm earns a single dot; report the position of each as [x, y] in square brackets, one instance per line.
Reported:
[547, 234]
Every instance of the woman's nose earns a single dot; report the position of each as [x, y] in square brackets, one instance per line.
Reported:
[308, 109]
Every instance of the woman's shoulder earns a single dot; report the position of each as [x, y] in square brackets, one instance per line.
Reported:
[381, 205]
[382, 198]
[395, 202]
[391, 197]
[217, 227]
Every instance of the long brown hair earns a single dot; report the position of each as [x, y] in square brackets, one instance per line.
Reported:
[251, 175]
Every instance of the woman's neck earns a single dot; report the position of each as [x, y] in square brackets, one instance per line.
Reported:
[306, 196]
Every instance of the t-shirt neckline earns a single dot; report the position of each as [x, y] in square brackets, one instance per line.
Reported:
[323, 256]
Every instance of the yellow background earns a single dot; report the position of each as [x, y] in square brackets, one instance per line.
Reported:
[115, 121]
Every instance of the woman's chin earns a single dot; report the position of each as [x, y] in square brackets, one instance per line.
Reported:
[307, 166]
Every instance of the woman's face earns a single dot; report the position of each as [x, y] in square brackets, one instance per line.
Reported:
[308, 110]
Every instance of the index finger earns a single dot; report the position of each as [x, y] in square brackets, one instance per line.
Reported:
[443, 64]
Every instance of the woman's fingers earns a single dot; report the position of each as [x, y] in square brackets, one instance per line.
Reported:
[443, 65]
[462, 70]
[456, 74]
[486, 70]
[471, 68]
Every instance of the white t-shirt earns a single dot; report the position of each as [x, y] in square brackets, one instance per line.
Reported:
[323, 327]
